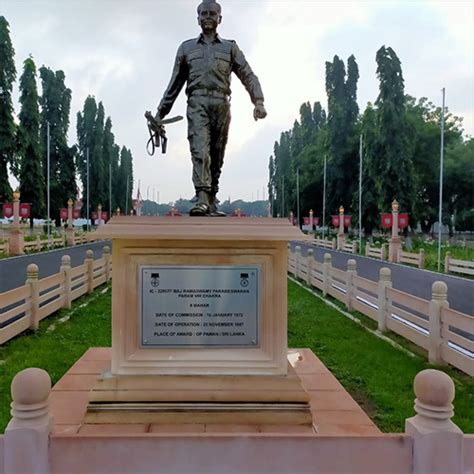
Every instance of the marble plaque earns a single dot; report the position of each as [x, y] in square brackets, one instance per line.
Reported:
[199, 306]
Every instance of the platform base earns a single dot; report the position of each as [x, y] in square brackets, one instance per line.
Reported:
[213, 399]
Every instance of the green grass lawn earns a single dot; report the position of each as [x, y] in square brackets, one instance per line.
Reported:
[377, 375]
[55, 350]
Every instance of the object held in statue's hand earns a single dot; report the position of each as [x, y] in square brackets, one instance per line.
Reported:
[156, 128]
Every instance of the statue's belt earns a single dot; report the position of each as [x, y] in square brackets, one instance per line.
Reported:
[209, 93]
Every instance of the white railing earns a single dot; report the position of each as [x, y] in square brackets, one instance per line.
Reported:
[326, 243]
[40, 244]
[24, 307]
[447, 335]
[452, 265]
[417, 259]
[375, 252]
[351, 247]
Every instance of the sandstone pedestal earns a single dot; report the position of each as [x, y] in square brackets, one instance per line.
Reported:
[16, 241]
[198, 382]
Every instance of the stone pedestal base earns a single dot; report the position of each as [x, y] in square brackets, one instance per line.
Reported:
[69, 236]
[16, 242]
[394, 249]
[341, 240]
[168, 399]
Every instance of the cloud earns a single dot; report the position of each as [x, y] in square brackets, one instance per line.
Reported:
[122, 52]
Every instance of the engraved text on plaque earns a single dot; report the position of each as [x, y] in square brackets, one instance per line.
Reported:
[199, 305]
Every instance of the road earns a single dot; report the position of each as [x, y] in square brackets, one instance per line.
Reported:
[404, 278]
[13, 270]
[408, 279]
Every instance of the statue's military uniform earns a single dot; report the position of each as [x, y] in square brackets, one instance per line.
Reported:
[207, 68]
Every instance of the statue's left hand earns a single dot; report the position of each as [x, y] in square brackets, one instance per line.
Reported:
[259, 111]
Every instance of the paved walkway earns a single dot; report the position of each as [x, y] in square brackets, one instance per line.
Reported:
[333, 410]
[13, 270]
[408, 279]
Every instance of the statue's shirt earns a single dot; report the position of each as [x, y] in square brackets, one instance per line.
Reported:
[207, 68]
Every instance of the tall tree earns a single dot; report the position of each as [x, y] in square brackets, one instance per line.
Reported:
[85, 139]
[7, 124]
[424, 134]
[98, 175]
[55, 107]
[342, 115]
[32, 185]
[395, 178]
[126, 180]
[110, 164]
[370, 210]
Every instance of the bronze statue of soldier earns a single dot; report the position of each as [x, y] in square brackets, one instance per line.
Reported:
[205, 65]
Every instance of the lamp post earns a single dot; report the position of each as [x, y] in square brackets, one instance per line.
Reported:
[341, 238]
[70, 227]
[395, 244]
[298, 195]
[87, 192]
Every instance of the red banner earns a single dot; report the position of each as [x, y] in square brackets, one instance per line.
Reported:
[105, 216]
[305, 220]
[94, 215]
[402, 221]
[316, 221]
[76, 213]
[25, 210]
[386, 221]
[63, 213]
[7, 209]
[335, 221]
[347, 221]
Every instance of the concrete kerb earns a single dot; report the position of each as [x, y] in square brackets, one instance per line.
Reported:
[354, 319]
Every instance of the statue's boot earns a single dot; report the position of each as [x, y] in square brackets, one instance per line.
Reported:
[201, 208]
[213, 210]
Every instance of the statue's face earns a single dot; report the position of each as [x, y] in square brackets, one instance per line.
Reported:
[209, 17]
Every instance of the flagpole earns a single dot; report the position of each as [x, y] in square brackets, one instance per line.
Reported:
[440, 215]
[48, 179]
[324, 198]
[360, 193]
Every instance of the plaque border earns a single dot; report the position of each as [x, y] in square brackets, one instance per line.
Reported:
[258, 268]
[267, 359]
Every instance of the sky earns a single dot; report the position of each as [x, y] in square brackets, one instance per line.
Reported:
[122, 52]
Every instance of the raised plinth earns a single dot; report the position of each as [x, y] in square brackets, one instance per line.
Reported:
[199, 323]
[186, 242]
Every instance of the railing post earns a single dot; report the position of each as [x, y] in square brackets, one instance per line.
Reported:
[383, 254]
[38, 243]
[367, 249]
[385, 281]
[351, 273]
[89, 261]
[437, 441]
[309, 267]
[421, 264]
[334, 243]
[446, 262]
[32, 280]
[355, 247]
[439, 300]
[27, 433]
[297, 261]
[66, 270]
[327, 280]
[106, 254]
